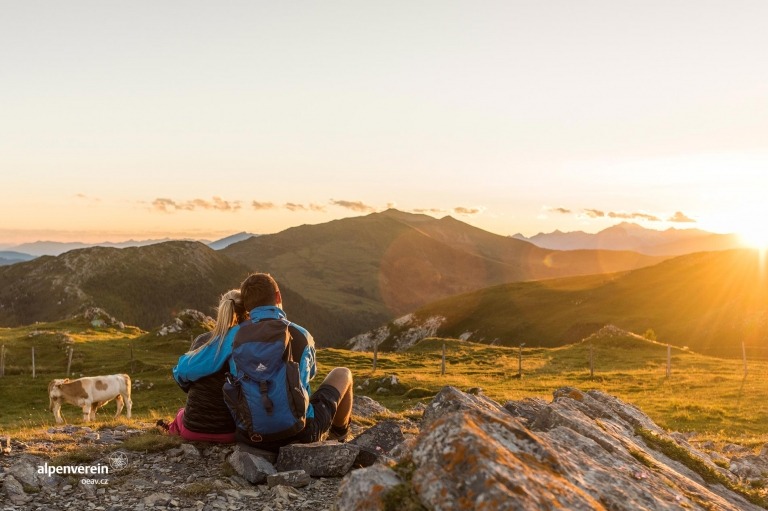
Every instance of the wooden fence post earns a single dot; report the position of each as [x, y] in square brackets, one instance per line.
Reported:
[669, 360]
[520, 361]
[375, 354]
[133, 365]
[33, 362]
[591, 361]
[2, 360]
[69, 360]
[442, 366]
[744, 356]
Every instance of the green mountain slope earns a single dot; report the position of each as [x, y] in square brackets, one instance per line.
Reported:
[144, 286]
[385, 264]
[710, 302]
[141, 285]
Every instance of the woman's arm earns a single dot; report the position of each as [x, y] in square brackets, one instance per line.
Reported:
[193, 366]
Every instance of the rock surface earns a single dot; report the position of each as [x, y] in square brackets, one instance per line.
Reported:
[320, 459]
[253, 469]
[377, 442]
[584, 450]
[364, 489]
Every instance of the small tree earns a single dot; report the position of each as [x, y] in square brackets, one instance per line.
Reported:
[650, 334]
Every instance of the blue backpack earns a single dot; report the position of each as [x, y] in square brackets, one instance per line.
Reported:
[265, 394]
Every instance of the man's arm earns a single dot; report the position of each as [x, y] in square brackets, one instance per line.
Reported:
[303, 341]
[193, 366]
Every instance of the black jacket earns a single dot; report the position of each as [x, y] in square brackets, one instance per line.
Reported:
[206, 411]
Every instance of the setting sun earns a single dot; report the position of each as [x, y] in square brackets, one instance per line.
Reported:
[754, 232]
[756, 237]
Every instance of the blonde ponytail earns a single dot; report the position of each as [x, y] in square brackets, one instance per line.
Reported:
[229, 313]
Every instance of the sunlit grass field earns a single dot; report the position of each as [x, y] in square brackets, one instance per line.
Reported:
[703, 394]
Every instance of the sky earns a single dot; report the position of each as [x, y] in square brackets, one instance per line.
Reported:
[200, 119]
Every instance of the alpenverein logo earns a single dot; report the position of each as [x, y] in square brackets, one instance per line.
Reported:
[118, 460]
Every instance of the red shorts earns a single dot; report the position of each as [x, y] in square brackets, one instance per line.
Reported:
[177, 428]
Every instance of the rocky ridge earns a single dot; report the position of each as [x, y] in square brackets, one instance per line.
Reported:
[582, 450]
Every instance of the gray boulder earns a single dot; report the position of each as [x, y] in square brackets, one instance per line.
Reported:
[377, 442]
[25, 472]
[364, 406]
[451, 399]
[294, 478]
[364, 489]
[253, 469]
[319, 459]
[14, 490]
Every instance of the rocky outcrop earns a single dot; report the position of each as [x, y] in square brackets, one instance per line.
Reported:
[377, 442]
[187, 319]
[583, 450]
[320, 459]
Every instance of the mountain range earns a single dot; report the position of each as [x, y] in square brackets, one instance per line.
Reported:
[385, 264]
[630, 236]
[27, 251]
[338, 278]
[710, 302]
[11, 257]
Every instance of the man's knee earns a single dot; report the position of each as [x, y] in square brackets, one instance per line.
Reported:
[342, 373]
[340, 378]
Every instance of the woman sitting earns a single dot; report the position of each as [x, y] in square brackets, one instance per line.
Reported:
[206, 418]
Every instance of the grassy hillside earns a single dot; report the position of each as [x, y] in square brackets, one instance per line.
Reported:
[704, 394]
[384, 264]
[139, 285]
[710, 302]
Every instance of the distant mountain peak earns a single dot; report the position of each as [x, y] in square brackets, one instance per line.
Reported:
[635, 237]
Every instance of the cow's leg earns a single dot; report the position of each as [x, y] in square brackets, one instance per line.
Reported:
[94, 407]
[119, 401]
[128, 403]
[87, 412]
[57, 412]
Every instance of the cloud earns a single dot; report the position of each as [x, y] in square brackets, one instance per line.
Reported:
[353, 205]
[258, 206]
[460, 210]
[164, 205]
[645, 216]
[679, 216]
[429, 210]
[292, 206]
[85, 197]
[561, 210]
[217, 204]
[594, 213]
[634, 216]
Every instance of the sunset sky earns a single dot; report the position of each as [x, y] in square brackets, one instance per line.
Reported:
[201, 119]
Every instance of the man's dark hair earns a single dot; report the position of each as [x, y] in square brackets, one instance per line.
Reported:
[259, 289]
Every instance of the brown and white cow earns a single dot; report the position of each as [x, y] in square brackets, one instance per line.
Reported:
[91, 393]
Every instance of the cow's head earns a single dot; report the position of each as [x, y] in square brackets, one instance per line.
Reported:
[54, 391]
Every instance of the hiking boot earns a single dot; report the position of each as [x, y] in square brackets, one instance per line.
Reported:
[339, 433]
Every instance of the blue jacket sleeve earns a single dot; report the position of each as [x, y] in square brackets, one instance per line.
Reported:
[193, 366]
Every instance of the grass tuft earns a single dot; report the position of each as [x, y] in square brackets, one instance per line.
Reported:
[152, 441]
[670, 449]
[198, 489]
